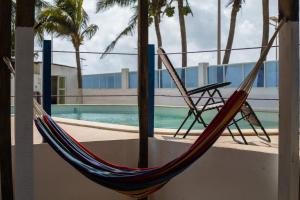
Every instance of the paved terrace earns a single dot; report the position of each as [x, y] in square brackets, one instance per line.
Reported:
[91, 131]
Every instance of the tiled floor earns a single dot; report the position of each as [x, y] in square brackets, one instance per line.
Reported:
[85, 134]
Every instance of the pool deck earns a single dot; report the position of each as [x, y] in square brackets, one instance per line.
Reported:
[91, 133]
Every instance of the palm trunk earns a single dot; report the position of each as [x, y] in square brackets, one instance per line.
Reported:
[143, 80]
[79, 74]
[235, 10]
[183, 33]
[265, 37]
[159, 38]
[5, 102]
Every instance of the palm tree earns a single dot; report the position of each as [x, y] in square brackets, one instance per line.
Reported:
[265, 38]
[266, 21]
[156, 11]
[181, 16]
[155, 14]
[67, 19]
[39, 5]
[184, 9]
[236, 6]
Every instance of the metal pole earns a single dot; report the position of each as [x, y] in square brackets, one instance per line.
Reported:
[24, 102]
[5, 103]
[151, 89]
[219, 32]
[288, 176]
[47, 59]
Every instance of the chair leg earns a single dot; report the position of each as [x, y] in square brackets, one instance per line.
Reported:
[265, 132]
[189, 114]
[200, 119]
[260, 125]
[234, 121]
[240, 132]
[190, 128]
[267, 139]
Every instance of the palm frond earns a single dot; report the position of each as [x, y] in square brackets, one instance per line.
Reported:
[230, 2]
[106, 4]
[129, 30]
[90, 31]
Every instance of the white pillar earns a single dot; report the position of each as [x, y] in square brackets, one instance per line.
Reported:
[202, 74]
[125, 78]
[288, 187]
[24, 114]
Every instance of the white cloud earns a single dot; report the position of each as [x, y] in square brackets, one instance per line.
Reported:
[201, 30]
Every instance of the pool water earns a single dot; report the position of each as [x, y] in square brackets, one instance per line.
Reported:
[165, 117]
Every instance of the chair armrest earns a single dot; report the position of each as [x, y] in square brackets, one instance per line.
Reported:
[208, 87]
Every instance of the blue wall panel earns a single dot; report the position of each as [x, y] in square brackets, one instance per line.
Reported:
[133, 80]
[191, 77]
[234, 73]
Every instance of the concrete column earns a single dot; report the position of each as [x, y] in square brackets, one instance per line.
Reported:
[288, 187]
[125, 78]
[203, 74]
[24, 114]
[24, 101]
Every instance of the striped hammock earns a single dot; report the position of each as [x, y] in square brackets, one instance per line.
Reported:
[140, 182]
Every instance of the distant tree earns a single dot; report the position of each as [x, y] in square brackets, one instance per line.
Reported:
[67, 19]
[265, 37]
[184, 9]
[156, 10]
[236, 6]
[266, 23]
[40, 4]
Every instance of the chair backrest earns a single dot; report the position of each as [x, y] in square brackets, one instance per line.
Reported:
[183, 91]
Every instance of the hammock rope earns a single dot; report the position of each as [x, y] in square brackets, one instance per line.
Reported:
[141, 182]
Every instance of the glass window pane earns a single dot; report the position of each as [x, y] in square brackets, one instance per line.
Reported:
[54, 85]
[62, 82]
[62, 97]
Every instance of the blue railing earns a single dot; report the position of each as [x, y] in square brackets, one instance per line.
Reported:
[234, 73]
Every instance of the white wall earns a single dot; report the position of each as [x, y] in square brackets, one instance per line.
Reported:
[71, 81]
[57, 70]
[222, 173]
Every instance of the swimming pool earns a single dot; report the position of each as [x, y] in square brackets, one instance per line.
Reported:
[165, 117]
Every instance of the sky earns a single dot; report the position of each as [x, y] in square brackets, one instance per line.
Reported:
[201, 33]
